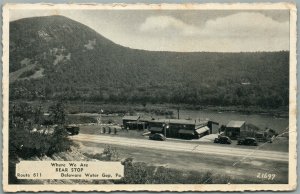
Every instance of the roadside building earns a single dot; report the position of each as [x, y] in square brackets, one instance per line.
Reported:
[136, 122]
[157, 126]
[127, 119]
[253, 131]
[145, 120]
[213, 127]
[179, 128]
[130, 122]
[235, 128]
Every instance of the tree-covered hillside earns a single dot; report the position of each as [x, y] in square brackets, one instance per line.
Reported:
[57, 58]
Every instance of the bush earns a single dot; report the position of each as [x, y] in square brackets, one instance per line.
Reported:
[109, 154]
[141, 173]
[27, 144]
[59, 141]
[26, 136]
[57, 113]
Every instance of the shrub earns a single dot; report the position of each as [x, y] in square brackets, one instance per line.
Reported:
[27, 144]
[59, 141]
[141, 173]
[109, 154]
[57, 113]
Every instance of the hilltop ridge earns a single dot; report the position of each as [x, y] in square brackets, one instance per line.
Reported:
[55, 57]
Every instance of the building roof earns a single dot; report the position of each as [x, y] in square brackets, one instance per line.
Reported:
[179, 121]
[174, 121]
[235, 124]
[131, 118]
[145, 118]
[202, 130]
[182, 121]
[136, 122]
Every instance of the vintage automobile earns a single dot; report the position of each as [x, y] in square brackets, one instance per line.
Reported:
[247, 141]
[72, 129]
[157, 136]
[223, 140]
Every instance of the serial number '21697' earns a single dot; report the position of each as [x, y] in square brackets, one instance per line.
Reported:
[266, 176]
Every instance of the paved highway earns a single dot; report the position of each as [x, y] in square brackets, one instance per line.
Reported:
[223, 150]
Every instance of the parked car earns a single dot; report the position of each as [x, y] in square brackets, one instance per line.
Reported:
[157, 136]
[247, 141]
[223, 140]
[72, 129]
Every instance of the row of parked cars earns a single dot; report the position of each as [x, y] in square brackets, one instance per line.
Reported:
[221, 139]
[242, 141]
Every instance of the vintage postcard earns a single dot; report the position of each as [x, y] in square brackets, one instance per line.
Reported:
[158, 97]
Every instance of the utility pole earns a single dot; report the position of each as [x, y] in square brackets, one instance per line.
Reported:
[177, 112]
[100, 120]
[166, 126]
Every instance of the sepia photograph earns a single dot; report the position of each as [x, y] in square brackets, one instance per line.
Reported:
[161, 97]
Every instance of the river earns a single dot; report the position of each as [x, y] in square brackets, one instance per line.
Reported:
[260, 120]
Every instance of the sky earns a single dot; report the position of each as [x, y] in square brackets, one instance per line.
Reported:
[182, 30]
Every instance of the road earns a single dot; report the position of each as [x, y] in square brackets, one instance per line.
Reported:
[218, 150]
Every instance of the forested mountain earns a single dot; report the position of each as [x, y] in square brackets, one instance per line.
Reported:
[57, 58]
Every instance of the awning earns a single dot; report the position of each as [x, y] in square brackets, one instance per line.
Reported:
[156, 129]
[202, 130]
[185, 131]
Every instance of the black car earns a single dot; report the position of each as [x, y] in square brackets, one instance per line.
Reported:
[72, 129]
[157, 136]
[223, 140]
[248, 141]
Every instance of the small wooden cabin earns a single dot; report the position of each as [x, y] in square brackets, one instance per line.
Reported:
[234, 128]
[130, 122]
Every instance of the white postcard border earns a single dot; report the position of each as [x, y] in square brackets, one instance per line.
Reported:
[161, 187]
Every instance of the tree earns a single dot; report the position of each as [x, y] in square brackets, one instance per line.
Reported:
[38, 115]
[57, 113]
